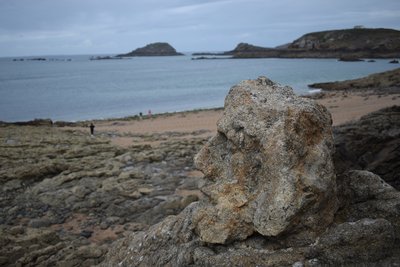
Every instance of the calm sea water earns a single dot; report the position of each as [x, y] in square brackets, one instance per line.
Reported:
[82, 89]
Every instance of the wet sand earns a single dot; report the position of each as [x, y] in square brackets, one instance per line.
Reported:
[346, 107]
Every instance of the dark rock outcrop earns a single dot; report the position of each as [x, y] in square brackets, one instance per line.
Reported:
[245, 50]
[371, 143]
[351, 40]
[365, 195]
[154, 49]
[364, 240]
[386, 79]
[350, 59]
[271, 162]
[35, 122]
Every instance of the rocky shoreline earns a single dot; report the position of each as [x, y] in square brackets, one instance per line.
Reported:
[387, 81]
[356, 43]
[68, 198]
[273, 196]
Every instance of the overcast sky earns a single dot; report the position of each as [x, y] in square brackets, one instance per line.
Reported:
[55, 27]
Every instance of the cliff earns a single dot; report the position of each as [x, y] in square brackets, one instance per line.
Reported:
[154, 49]
[374, 40]
[358, 43]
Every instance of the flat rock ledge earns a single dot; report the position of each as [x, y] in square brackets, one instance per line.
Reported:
[272, 195]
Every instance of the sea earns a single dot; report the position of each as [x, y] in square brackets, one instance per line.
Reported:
[74, 88]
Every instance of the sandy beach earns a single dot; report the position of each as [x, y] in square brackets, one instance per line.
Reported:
[344, 107]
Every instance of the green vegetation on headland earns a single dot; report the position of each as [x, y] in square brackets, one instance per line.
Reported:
[387, 79]
[154, 49]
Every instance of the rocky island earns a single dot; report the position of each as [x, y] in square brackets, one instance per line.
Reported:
[347, 43]
[154, 49]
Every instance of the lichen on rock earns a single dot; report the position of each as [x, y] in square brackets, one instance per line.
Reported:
[269, 167]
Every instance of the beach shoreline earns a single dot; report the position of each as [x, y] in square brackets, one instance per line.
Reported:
[344, 105]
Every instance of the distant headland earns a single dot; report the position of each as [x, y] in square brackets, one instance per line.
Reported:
[153, 49]
[383, 80]
[353, 43]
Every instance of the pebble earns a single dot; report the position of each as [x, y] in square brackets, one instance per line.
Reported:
[86, 233]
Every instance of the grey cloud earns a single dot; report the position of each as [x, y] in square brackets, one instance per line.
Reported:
[114, 26]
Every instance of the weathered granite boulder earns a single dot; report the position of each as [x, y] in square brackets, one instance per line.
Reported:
[269, 167]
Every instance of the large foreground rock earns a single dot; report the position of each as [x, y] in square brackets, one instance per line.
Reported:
[269, 167]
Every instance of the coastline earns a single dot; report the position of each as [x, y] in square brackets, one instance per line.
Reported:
[344, 106]
[163, 93]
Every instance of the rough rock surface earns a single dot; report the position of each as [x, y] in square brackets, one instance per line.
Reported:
[224, 229]
[66, 196]
[366, 195]
[371, 143]
[360, 241]
[269, 168]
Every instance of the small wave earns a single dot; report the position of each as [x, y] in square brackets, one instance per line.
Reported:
[314, 91]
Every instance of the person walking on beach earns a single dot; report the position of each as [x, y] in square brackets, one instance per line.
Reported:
[149, 113]
[91, 128]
